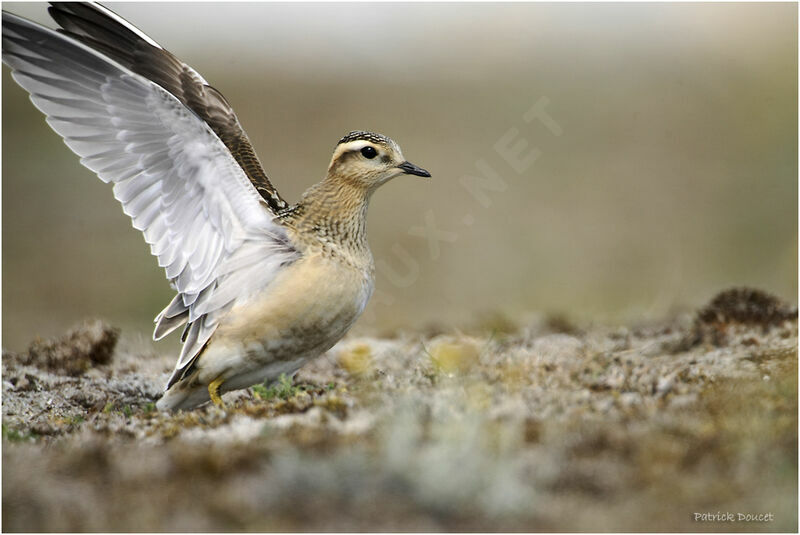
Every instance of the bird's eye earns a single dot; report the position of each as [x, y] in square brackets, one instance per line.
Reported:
[369, 152]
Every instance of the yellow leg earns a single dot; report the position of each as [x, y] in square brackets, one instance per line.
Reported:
[213, 391]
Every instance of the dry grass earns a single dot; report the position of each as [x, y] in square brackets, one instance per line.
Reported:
[601, 429]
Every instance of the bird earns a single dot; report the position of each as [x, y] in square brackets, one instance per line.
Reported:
[262, 286]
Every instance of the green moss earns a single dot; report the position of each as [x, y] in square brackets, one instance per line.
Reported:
[76, 420]
[127, 410]
[16, 435]
[283, 389]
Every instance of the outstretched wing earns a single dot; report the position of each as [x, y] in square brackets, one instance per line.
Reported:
[204, 219]
[113, 36]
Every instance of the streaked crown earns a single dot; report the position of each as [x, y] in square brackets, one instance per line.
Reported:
[357, 135]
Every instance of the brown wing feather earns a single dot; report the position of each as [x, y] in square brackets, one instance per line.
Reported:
[92, 26]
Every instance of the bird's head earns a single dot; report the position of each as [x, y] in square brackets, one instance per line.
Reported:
[367, 160]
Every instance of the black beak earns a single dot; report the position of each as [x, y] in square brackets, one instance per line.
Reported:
[411, 169]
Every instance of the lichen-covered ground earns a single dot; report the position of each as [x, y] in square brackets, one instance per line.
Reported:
[547, 426]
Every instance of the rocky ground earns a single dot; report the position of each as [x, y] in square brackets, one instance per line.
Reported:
[543, 426]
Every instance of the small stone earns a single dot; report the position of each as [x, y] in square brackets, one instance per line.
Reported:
[665, 385]
[356, 360]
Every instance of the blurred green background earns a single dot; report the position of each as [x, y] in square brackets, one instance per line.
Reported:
[675, 174]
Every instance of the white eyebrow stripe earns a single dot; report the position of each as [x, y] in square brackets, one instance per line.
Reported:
[358, 144]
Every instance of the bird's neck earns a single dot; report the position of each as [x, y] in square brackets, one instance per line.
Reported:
[334, 212]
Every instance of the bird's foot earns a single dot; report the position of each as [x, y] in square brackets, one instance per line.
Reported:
[213, 391]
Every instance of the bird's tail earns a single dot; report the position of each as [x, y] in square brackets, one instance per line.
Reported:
[182, 396]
